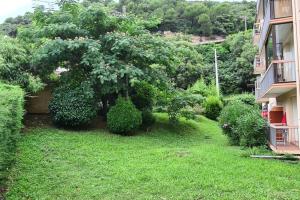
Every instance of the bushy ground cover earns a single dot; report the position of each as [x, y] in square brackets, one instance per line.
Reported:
[11, 114]
[190, 161]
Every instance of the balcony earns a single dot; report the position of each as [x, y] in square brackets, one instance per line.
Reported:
[258, 64]
[284, 139]
[256, 33]
[279, 78]
[278, 12]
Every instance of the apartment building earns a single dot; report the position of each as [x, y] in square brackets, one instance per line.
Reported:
[277, 64]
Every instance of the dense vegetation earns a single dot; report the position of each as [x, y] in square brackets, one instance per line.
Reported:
[117, 64]
[204, 18]
[11, 114]
[183, 63]
[201, 18]
[108, 54]
[242, 122]
[235, 61]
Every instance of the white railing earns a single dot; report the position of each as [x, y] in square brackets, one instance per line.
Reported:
[284, 136]
[279, 71]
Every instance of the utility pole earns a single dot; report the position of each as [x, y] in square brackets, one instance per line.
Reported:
[245, 18]
[124, 10]
[217, 73]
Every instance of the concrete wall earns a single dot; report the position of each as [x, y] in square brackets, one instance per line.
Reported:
[289, 103]
[296, 23]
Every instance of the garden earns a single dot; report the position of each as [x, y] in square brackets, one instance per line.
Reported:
[130, 114]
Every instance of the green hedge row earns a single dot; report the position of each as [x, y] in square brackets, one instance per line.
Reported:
[11, 114]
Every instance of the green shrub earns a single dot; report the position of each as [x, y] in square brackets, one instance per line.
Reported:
[213, 106]
[246, 98]
[252, 129]
[229, 117]
[73, 107]
[143, 96]
[124, 117]
[11, 114]
[180, 104]
[205, 90]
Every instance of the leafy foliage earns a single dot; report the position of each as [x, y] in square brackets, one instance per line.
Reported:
[235, 61]
[213, 106]
[252, 129]
[11, 114]
[73, 107]
[14, 65]
[123, 118]
[229, 118]
[11, 25]
[204, 89]
[178, 104]
[143, 96]
[249, 130]
[205, 18]
[246, 98]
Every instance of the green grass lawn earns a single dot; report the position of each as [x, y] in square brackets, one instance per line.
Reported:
[192, 161]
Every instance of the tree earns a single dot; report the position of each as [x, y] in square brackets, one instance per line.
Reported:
[11, 25]
[205, 25]
[14, 65]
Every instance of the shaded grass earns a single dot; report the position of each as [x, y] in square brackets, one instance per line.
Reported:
[190, 161]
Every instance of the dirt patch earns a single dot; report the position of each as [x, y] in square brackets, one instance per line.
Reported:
[44, 120]
[37, 120]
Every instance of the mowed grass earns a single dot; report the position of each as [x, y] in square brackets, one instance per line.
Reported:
[191, 161]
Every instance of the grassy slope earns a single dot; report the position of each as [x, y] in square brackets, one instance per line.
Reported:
[190, 162]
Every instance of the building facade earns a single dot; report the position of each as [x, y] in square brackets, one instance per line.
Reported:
[277, 35]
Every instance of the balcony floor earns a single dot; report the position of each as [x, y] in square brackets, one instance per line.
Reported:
[286, 149]
[276, 90]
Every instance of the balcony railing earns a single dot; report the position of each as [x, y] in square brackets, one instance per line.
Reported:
[279, 71]
[265, 26]
[256, 33]
[284, 138]
[258, 92]
[258, 65]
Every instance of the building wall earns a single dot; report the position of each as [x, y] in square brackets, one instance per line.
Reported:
[296, 21]
[289, 103]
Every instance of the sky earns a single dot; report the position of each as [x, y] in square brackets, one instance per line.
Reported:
[13, 8]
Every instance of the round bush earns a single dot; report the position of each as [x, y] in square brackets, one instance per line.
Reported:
[213, 106]
[124, 117]
[73, 107]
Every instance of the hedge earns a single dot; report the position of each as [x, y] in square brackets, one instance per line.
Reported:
[11, 114]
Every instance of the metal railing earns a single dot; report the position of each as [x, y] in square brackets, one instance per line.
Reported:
[279, 71]
[256, 33]
[258, 93]
[265, 26]
[258, 65]
[284, 136]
